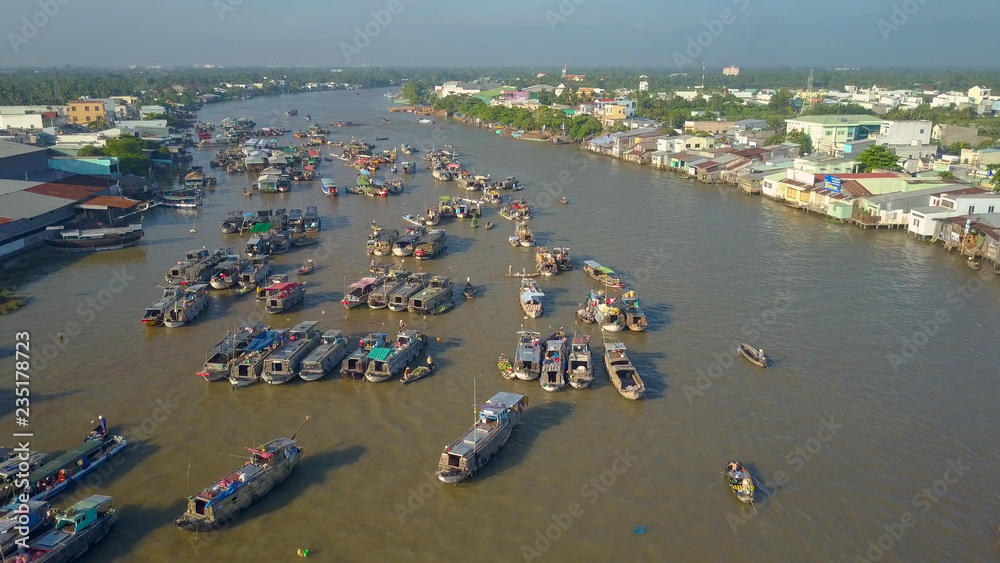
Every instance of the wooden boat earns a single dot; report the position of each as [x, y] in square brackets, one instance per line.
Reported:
[196, 267]
[226, 274]
[9, 470]
[563, 200]
[468, 209]
[608, 314]
[446, 206]
[553, 376]
[94, 238]
[522, 236]
[247, 370]
[973, 264]
[399, 299]
[382, 241]
[635, 319]
[307, 268]
[331, 349]
[623, 374]
[754, 355]
[385, 362]
[515, 211]
[740, 481]
[283, 364]
[409, 376]
[227, 353]
[155, 313]
[357, 294]
[433, 299]
[76, 529]
[192, 300]
[254, 274]
[530, 298]
[311, 222]
[505, 367]
[283, 296]
[580, 368]
[232, 223]
[441, 174]
[23, 522]
[406, 244]
[391, 281]
[469, 290]
[545, 262]
[527, 356]
[604, 275]
[430, 245]
[394, 185]
[408, 167]
[563, 261]
[219, 503]
[51, 479]
[355, 366]
[495, 420]
[522, 274]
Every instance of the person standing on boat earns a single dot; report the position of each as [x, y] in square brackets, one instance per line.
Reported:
[430, 362]
[761, 352]
[402, 325]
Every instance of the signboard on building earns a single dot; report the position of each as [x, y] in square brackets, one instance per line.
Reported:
[832, 183]
[942, 166]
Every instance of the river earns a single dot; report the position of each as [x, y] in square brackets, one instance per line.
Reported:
[871, 435]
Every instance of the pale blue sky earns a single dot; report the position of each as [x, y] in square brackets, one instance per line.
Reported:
[511, 33]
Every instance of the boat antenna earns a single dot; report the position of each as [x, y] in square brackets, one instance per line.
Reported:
[308, 418]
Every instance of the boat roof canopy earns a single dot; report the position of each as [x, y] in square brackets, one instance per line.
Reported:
[283, 286]
[67, 459]
[379, 353]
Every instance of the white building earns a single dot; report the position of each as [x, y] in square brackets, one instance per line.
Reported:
[905, 132]
[25, 121]
[643, 86]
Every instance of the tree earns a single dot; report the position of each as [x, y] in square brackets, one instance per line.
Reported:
[995, 178]
[415, 92]
[131, 155]
[90, 150]
[99, 124]
[802, 139]
[956, 148]
[945, 175]
[780, 100]
[879, 156]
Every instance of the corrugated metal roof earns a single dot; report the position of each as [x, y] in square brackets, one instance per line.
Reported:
[64, 191]
[379, 353]
[8, 148]
[106, 201]
[24, 204]
[854, 188]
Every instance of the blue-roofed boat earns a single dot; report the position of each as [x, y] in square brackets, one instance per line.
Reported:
[76, 530]
[495, 421]
[51, 479]
[218, 504]
[247, 371]
[329, 187]
[530, 298]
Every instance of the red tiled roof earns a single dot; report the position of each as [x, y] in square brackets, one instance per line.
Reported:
[112, 201]
[707, 164]
[854, 188]
[64, 191]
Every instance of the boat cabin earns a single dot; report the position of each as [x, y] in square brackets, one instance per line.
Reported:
[82, 514]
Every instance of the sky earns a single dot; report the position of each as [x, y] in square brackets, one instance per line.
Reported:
[512, 33]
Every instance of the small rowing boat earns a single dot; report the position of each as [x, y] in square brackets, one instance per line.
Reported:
[412, 375]
[756, 356]
[740, 481]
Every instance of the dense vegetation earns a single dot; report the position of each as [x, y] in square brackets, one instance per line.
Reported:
[544, 118]
[133, 153]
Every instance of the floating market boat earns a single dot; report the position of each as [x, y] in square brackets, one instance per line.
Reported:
[254, 274]
[635, 319]
[329, 187]
[311, 222]
[446, 206]
[545, 262]
[515, 211]
[196, 267]
[530, 298]
[9, 470]
[283, 296]
[227, 353]
[495, 421]
[527, 356]
[430, 245]
[217, 505]
[331, 349]
[406, 244]
[434, 299]
[563, 261]
[23, 524]
[580, 368]
[51, 479]
[94, 239]
[250, 365]
[604, 275]
[469, 290]
[283, 364]
[307, 268]
[75, 531]
[553, 376]
[441, 174]
[623, 374]
[408, 167]
[385, 362]
[156, 312]
[607, 314]
[355, 366]
[226, 274]
[409, 376]
[522, 236]
[357, 294]
[190, 303]
[754, 355]
[740, 481]
[399, 299]
[468, 209]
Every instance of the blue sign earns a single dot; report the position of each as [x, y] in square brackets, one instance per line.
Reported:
[832, 183]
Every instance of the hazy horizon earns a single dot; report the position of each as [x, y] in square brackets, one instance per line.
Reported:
[763, 34]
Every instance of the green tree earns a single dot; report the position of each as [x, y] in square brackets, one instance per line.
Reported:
[414, 92]
[90, 150]
[879, 157]
[99, 124]
[945, 175]
[995, 178]
[956, 147]
[802, 139]
[131, 154]
[780, 100]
